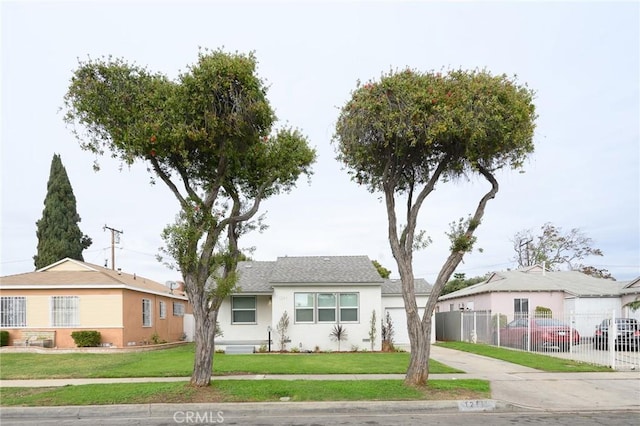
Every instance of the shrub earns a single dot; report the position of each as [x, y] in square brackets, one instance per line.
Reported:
[339, 333]
[387, 332]
[281, 329]
[86, 338]
[156, 340]
[543, 312]
[4, 338]
[502, 320]
[372, 329]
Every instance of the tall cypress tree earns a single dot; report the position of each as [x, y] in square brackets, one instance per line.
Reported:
[59, 235]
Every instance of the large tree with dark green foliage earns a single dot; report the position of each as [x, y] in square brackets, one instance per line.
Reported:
[210, 137]
[59, 235]
[554, 249]
[406, 132]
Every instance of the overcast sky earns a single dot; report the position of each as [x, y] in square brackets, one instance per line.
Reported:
[581, 59]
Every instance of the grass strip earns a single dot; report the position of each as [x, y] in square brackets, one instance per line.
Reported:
[244, 391]
[527, 359]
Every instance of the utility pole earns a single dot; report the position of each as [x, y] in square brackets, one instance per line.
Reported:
[115, 238]
[526, 243]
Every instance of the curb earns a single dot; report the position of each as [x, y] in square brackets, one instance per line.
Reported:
[252, 409]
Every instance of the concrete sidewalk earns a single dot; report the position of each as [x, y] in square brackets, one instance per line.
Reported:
[512, 386]
[529, 388]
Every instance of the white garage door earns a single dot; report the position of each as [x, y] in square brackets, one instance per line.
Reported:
[399, 321]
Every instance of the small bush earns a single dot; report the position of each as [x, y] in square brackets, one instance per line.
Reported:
[86, 338]
[4, 338]
[262, 349]
[156, 340]
[543, 312]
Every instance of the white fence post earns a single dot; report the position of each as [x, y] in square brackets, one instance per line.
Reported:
[612, 332]
[572, 324]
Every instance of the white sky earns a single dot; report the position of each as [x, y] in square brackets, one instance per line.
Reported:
[581, 58]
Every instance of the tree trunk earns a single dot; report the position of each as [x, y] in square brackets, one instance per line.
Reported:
[418, 371]
[205, 329]
[419, 331]
[204, 337]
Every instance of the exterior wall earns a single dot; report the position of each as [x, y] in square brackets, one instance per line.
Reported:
[502, 302]
[169, 329]
[306, 337]
[100, 310]
[478, 302]
[255, 334]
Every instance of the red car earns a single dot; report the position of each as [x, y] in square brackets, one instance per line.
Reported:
[540, 333]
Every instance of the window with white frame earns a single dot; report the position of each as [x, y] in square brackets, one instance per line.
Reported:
[178, 309]
[65, 311]
[13, 311]
[348, 307]
[304, 306]
[146, 313]
[243, 309]
[521, 308]
[327, 307]
[163, 310]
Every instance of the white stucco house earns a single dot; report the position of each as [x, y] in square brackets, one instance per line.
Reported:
[571, 295]
[317, 293]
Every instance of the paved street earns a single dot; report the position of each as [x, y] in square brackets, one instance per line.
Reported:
[371, 413]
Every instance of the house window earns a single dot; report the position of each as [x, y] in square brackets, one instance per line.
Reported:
[348, 307]
[243, 310]
[146, 313]
[178, 309]
[304, 306]
[65, 311]
[163, 310]
[13, 311]
[521, 308]
[326, 307]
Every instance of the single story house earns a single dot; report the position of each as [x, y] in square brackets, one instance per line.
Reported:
[51, 303]
[317, 293]
[571, 296]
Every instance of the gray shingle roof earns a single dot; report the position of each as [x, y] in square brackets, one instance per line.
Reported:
[533, 279]
[260, 276]
[394, 287]
[254, 276]
[325, 269]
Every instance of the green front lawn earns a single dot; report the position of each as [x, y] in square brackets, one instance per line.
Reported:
[178, 362]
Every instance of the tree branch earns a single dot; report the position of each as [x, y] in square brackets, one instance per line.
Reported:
[455, 257]
[167, 180]
[412, 213]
